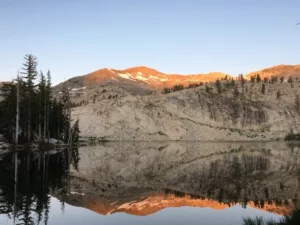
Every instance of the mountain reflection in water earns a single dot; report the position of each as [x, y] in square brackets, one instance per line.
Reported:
[143, 179]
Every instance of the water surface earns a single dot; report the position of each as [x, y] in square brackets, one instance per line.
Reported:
[150, 183]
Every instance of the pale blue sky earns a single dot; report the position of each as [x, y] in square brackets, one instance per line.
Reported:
[75, 37]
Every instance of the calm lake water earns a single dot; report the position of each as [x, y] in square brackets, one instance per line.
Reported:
[150, 183]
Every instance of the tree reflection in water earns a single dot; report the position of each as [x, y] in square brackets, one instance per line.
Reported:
[294, 219]
[28, 177]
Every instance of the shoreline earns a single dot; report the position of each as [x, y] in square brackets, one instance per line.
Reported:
[33, 146]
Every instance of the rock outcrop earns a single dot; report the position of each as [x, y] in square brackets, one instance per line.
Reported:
[111, 113]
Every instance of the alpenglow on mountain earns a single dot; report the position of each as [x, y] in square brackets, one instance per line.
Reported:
[139, 79]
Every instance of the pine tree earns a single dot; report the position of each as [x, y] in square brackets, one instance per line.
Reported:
[278, 95]
[30, 73]
[66, 115]
[258, 79]
[281, 79]
[232, 82]
[56, 119]
[42, 106]
[236, 92]
[252, 80]
[263, 88]
[75, 131]
[27, 108]
[274, 79]
[48, 101]
[178, 87]
[243, 80]
[219, 86]
[8, 93]
[166, 90]
[17, 109]
[207, 88]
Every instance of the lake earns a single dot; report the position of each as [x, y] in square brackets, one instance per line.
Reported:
[150, 183]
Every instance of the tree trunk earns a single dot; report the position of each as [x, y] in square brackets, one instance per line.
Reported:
[40, 126]
[69, 118]
[29, 122]
[47, 121]
[17, 114]
[45, 117]
[15, 184]
[69, 123]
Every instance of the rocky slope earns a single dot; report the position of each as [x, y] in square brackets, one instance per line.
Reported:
[128, 105]
[111, 113]
[143, 178]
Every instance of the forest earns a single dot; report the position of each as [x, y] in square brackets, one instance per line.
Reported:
[30, 113]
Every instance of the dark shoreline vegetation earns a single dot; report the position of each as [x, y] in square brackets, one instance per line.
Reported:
[29, 114]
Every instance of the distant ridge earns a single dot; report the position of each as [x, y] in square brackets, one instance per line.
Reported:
[145, 78]
[279, 71]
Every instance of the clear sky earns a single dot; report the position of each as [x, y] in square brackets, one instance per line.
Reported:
[75, 37]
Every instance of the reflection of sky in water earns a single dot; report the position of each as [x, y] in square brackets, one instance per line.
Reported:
[190, 215]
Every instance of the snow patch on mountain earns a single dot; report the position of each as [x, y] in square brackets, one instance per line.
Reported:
[139, 77]
[125, 75]
[154, 77]
[78, 89]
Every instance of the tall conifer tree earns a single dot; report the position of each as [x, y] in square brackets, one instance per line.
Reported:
[30, 72]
